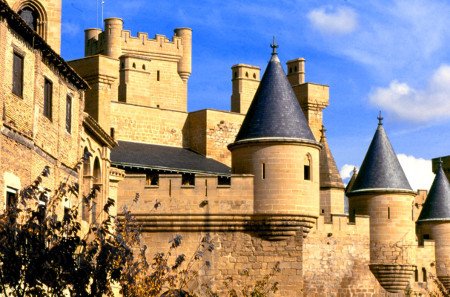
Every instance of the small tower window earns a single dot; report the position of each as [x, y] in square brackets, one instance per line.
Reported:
[235, 74]
[254, 75]
[134, 65]
[307, 168]
[416, 275]
[263, 170]
[30, 17]
[158, 76]
[389, 213]
[188, 179]
[290, 69]
[143, 67]
[246, 74]
[295, 68]
[424, 275]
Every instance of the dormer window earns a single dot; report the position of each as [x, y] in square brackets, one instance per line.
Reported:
[30, 16]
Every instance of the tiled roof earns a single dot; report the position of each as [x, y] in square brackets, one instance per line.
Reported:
[164, 158]
[437, 204]
[329, 174]
[380, 169]
[275, 111]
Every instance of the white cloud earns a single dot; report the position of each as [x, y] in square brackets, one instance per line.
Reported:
[418, 171]
[347, 171]
[340, 20]
[429, 103]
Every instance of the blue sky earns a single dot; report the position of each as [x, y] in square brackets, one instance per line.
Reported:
[375, 55]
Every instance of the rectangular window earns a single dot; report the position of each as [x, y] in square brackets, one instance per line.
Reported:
[263, 170]
[11, 198]
[17, 84]
[69, 114]
[307, 172]
[157, 75]
[48, 94]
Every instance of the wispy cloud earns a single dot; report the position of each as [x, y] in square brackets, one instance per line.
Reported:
[70, 29]
[333, 20]
[430, 103]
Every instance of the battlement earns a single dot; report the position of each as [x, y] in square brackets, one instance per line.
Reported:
[205, 195]
[341, 224]
[159, 47]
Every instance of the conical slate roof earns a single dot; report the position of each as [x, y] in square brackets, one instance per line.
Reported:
[329, 174]
[275, 111]
[380, 169]
[437, 204]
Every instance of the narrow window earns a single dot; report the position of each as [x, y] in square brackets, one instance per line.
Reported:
[157, 75]
[416, 275]
[17, 87]
[170, 188]
[206, 188]
[11, 198]
[69, 113]
[263, 170]
[134, 65]
[389, 213]
[424, 275]
[48, 93]
[307, 168]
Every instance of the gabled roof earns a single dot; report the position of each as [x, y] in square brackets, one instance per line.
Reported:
[275, 111]
[380, 170]
[164, 158]
[329, 174]
[437, 204]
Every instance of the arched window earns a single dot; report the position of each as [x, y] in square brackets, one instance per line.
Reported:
[34, 15]
[30, 16]
[98, 184]
[307, 168]
[424, 275]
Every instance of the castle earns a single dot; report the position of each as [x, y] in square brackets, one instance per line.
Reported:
[260, 179]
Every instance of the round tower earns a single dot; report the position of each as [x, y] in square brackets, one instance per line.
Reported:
[89, 35]
[382, 191]
[113, 37]
[185, 63]
[435, 216]
[276, 145]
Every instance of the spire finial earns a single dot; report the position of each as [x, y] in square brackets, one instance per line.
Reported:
[274, 46]
[380, 119]
[440, 162]
[322, 131]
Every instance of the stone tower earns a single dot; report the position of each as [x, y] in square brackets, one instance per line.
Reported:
[435, 216]
[44, 16]
[245, 81]
[382, 191]
[331, 186]
[276, 145]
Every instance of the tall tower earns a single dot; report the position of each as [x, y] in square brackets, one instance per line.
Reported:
[276, 145]
[43, 16]
[435, 216]
[245, 81]
[331, 186]
[382, 191]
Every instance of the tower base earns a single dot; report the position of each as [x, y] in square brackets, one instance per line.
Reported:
[394, 278]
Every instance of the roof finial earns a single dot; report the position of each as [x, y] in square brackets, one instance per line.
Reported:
[274, 46]
[440, 163]
[322, 131]
[380, 119]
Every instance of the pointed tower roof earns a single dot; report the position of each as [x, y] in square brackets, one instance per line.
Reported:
[380, 170]
[351, 181]
[437, 204]
[329, 174]
[275, 112]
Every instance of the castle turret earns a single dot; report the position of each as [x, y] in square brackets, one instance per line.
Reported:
[185, 63]
[245, 81]
[382, 191]
[435, 216]
[331, 186]
[276, 145]
[113, 35]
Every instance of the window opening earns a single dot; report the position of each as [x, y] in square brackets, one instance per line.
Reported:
[157, 75]
[69, 113]
[48, 93]
[263, 170]
[188, 179]
[30, 17]
[17, 87]
[152, 179]
[389, 213]
[224, 180]
[424, 275]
